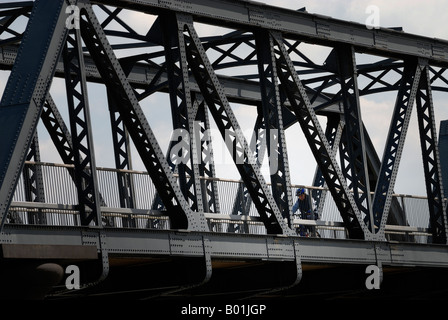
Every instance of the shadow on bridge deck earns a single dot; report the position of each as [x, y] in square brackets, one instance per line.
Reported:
[162, 279]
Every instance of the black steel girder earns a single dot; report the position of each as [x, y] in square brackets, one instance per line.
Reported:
[228, 126]
[183, 154]
[273, 117]
[81, 129]
[394, 144]
[26, 90]
[352, 148]
[181, 216]
[333, 133]
[123, 161]
[431, 159]
[33, 179]
[318, 143]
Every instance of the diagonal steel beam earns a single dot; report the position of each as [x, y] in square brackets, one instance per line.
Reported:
[431, 161]
[352, 149]
[297, 24]
[26, 91]
[205, 155]
[275, 133]
[181, 216]
[333, 133]
[183, 113]
[60, 135]
[318, 143]
[58, 130]
[394, 144]
[229, 128]
[34, 184]
[84, 156]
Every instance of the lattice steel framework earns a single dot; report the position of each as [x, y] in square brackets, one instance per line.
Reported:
[89, 41]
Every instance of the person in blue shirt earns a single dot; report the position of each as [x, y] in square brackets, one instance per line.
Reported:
[303, 205]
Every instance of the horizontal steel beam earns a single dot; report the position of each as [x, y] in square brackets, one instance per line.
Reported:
[314, 28]
[141, 75]
[55, 251]
[216, 217]
[127, 242]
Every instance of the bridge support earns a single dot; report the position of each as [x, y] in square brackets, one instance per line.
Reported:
[186, 160]
[273, 118]
[352, 149]
[431, 159]
[181, 215]
[443, 149]
[20, 109]
[306, 116]
[333, 133]
[229, 128]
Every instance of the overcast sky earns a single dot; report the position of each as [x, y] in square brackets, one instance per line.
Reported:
[427, 18]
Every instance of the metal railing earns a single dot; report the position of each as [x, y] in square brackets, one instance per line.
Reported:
[60, 206]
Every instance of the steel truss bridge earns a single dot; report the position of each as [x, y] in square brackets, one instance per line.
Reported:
[177, 229]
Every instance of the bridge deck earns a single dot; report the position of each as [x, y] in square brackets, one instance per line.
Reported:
[244, 255]
[244, 264]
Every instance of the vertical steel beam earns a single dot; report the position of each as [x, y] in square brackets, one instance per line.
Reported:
[204, 145]
[60, 135]
[394, 144]
[26, 91]
[443, 149]
[34, 184]
[229, 128]
[123, 161]
[183, 115]
[58, 131]
[431, 161]
[352, 147]
[81, 129]
[275, 134]
[306, 116]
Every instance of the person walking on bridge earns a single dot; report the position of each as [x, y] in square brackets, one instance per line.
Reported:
[305, 211]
